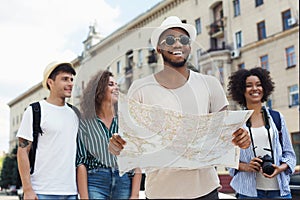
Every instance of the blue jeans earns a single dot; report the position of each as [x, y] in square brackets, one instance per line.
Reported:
[106, 183]
[58, 197]
[266, 194]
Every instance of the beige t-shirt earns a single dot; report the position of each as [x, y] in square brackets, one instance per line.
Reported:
[201, 94]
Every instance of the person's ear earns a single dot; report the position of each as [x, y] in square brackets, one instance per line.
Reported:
[49, 82]
[158, 49]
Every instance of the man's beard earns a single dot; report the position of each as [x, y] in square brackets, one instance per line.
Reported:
[174, 64]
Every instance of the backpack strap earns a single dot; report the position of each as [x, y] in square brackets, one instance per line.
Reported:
[76, 110]
[277, 120]
[36, 120]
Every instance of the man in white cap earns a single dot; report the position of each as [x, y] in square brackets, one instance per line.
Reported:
[180, 89]
[54, 174]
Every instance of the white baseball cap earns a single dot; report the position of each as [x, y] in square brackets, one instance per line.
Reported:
[172, 22]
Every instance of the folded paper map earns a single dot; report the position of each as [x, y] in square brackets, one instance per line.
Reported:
[162, 138]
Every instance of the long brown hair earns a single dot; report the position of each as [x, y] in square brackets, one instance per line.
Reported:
[94, 93]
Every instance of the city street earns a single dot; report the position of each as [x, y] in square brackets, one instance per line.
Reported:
[3, 196]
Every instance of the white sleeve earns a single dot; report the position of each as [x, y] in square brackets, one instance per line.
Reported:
[135, 91]
[218, 98]
[25, 129]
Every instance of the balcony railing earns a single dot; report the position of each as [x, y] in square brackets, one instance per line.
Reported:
[217, 28]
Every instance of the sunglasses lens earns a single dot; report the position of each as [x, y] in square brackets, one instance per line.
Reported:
[170, 40]
[184, 40]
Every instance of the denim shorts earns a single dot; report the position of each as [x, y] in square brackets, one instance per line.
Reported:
[106, 183]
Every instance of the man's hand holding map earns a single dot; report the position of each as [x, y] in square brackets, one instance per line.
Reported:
[160, 138]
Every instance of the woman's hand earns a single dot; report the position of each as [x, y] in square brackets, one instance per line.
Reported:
[277, 170]
[253, 166]
[116, 144]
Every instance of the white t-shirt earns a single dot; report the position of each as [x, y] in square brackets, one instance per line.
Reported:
[201, 94]
[261, 141]
[55, 170]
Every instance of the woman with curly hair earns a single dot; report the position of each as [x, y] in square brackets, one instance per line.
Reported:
[97, 170]
[265, 167]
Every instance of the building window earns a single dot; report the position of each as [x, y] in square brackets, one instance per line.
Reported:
[269, 103]
[259, 2]
[198, 25]
[119, 67]
[290, 56]
[296, 145]
[129, 61]
[82, 85]
[140, 58]
[241, 66]
[286, 15]
[221, 73]
[238, 39]
[15, 133]
[264, 62]
[293, 96]
[236, 7]
[199, 53]
[152, 57]
[261, 30]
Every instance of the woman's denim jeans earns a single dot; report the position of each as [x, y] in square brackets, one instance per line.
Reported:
[262, 194]
[106, 183]
[58, 197]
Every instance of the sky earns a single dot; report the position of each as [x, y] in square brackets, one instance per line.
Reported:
[35, 32]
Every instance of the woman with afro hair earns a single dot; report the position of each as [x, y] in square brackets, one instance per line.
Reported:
[266, 165]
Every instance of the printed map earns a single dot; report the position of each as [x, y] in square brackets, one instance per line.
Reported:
[160, 138]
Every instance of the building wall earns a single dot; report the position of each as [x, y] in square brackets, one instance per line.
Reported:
[136, 34]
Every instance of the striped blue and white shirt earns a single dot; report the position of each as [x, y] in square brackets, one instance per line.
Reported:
[245, 182]
[92, 144]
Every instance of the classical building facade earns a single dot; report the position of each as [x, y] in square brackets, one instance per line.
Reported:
[231, 34]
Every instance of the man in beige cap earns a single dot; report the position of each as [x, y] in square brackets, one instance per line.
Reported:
[54, 171]
[180, 89]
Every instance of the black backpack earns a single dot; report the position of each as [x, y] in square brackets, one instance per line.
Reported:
[36, 120]
[277, 120]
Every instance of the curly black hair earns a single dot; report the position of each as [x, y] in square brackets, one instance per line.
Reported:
[237, 84]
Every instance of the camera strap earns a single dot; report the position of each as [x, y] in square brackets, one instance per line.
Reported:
[248, 124]
[267, 126]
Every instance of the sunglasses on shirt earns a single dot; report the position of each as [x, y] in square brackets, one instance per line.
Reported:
[170, 40]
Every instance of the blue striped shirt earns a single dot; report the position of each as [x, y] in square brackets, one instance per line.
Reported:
[92, 144]
[245, 182]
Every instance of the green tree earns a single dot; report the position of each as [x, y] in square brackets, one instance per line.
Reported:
[1, 161]
[9, 173]
[6, 172]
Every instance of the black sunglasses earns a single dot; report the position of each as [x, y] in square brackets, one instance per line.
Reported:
[170, 40]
